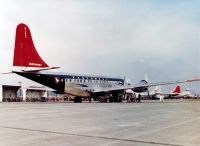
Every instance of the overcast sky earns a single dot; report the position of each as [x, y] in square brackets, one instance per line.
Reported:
[108, 37]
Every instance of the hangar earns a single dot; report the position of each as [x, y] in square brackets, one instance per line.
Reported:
[11, 93]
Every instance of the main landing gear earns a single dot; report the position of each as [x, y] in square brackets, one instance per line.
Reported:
[116, 97]
[78, 99]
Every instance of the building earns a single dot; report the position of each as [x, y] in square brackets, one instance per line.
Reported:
[12, 93]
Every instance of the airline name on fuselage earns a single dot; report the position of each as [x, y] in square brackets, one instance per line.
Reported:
[34, 64]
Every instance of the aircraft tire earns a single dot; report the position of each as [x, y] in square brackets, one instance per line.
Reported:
[77, 99]
[120, 99]
[111, 99]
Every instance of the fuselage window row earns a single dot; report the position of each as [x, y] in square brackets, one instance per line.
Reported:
[89, 80]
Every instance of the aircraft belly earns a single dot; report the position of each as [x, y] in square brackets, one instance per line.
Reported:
[74, 89]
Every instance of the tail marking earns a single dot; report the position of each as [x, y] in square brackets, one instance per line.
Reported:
[25, 53]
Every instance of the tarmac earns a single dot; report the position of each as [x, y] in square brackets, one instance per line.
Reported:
[150, 123]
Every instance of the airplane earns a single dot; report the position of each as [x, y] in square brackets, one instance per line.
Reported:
[28, 63]
[175, 93]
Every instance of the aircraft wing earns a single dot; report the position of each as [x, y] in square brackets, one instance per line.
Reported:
[144, 87]
[173, 82]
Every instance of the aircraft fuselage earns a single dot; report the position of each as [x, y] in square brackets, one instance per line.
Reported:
[77, 85]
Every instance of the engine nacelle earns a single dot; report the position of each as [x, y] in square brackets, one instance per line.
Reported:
[143, 88]
[143, 82]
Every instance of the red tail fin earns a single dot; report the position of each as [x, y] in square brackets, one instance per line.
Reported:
[25, 53]
[177, 90]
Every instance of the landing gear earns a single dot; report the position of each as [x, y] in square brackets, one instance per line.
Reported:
[116, 97]
[111, 99]
[78, 99]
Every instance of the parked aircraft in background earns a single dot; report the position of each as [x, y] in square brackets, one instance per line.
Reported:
[29, 64]
[178, 93]
[175, 93]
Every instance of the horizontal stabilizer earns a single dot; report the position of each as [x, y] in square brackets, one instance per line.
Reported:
[7, 73]
[37, 70]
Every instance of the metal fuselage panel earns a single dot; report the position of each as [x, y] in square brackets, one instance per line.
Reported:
[86, 86]
[77, 85]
